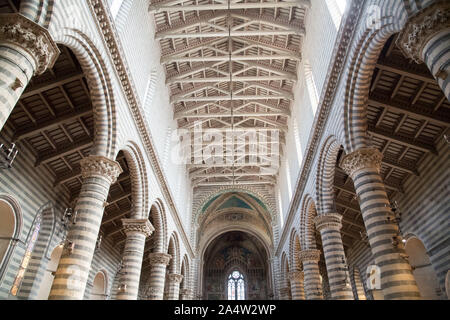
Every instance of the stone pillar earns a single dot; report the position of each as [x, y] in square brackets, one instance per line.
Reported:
[174, 286]
[426, 38]
[285, 293]
[186, 294]
[329, 226]
[73, 270]
[310, 259]
[136, 230]
[297, 288]
[158, 262]
[26, 49]
[397, 280]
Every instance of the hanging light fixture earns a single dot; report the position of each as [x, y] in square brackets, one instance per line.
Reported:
[7, 155]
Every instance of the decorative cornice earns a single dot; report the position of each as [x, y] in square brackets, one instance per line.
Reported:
[30, 36]
[328, 221]
[296, 275]
[100, 166]
[335, 71]
[138, 225]
[361, 159]
[309, 255]
[175, 278]
[421, 27]
[107, 30]
[159, 258]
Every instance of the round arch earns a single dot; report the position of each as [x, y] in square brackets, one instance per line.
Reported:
[99, 286]
[158, 220]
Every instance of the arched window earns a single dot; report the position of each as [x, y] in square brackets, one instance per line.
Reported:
[236, 286]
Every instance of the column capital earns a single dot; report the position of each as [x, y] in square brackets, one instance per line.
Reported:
[421, 27]
[138, 225]
[309, 255]
[296, 275]
[360, 159]
[175, 277]
[100, 166]
[285, 290]
[328, 221]
[159, 258]
[36, 40]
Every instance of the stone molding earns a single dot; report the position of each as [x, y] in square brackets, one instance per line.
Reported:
[361, 159]
[159, 258]
[138, 225]
[100, 166]
[175, 278]
[296, 275]
[309, 255]
[421, 27]
[36, 40]
[328, 221]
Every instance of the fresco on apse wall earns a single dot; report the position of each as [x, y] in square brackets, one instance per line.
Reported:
[235, 251]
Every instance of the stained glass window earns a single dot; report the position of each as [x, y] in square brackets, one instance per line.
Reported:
[236, 286]
[27, 256]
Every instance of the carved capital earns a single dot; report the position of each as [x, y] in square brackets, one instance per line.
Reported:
[296, 275]
[175, 278]
[159, 258]
[155, 291]
[361, 159]
[309, 255]
[186, 292]
[422, 27]
[100, 166]
[34, 39]
[138, 225]
[328, 221]
[285, 291]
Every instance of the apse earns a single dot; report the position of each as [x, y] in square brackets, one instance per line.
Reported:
[235, 268]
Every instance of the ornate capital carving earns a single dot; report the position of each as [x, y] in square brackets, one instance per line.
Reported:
[138, 225]
[360, 159]
[159, 258]
[155, 291]
[421, 27]
[186, 292]
[296, 275]
[100, 166]
[175, 278]
[30, 36]
[309, 255]
[328, 221]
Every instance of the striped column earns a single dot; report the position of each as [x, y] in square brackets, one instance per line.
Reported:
[285, 293]
[426, 38]
[186, 294]
[26, 49]
[174, 286]
[136, 230]
[297, 288]
[397, 280]
[158, 262]
[73, 270]
[329, 226]
[310, 259]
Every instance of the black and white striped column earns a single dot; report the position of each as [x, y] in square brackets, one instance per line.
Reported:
[313, 287]
[297, 288]
[158, 265]
[26, 49]
[426, 38]
[285, 293]
[73, 269]
[397, 280]
[329, 226]
[174, 286]
[186, 294]
[136, 231]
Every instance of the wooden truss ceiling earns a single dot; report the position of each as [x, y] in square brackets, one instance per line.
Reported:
[257, 44]
[407, 115]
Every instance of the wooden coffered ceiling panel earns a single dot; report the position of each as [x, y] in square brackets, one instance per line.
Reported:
[258, 45]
